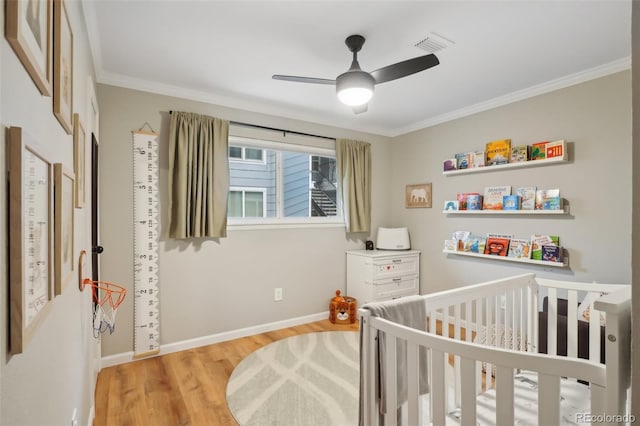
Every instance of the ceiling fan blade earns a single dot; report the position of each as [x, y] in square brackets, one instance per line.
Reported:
[360, 109]
[405, 68]
[303, 79]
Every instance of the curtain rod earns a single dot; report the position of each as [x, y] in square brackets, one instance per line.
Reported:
[257, 126]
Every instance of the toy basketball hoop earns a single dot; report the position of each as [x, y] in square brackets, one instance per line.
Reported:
[106, 299]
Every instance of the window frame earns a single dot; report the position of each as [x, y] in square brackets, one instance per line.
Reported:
[244, 190]
[243, 154]
[236, 223]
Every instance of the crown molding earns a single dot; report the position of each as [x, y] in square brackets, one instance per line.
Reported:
[257, 106]
[540, 89]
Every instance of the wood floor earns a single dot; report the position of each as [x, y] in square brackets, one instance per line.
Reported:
[182, 388]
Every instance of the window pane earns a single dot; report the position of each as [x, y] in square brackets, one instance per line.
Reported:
[253, 204]
[234, 208]
[235, 152]
[251, 175]
[253, 154]
[309, 184]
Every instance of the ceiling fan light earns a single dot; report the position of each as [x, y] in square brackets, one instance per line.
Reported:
[354, 88]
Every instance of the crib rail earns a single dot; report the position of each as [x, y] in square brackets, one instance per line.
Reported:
[493, 327]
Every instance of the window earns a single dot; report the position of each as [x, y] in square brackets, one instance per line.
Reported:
[240, 153]
[246, 202]
[277, 183]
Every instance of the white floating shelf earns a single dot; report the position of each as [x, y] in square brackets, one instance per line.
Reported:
[565, 210]
[563, 264]
[522, 164]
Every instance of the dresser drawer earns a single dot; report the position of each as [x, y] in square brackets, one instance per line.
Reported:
[395, 287]
[393, 267]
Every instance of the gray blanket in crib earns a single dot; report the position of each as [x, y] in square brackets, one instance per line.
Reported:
[411, 312]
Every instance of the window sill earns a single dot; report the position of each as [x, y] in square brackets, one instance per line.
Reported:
[239, 225]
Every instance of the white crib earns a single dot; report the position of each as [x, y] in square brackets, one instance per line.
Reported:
[509, 310]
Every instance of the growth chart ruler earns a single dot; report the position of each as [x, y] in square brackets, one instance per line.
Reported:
[146, 214]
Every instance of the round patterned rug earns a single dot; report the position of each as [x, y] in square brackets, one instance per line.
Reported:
[310, 379]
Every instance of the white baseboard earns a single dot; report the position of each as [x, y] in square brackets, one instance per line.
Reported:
[122, 358]
[92, 415]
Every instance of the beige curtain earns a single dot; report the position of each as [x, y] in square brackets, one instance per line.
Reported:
[354, 167]
[198, 176]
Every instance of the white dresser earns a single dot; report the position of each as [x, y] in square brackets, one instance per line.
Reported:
[375, 275]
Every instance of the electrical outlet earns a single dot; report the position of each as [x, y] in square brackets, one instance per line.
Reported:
[277, 294]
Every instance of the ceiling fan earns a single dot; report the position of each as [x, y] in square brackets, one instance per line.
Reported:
[355, 87]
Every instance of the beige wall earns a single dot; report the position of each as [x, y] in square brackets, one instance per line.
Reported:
[595, 118]
[213, 286]
[55, 373]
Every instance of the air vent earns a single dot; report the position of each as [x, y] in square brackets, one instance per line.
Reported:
[434, 43]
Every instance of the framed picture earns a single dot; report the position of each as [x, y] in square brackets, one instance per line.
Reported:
[418, 196]
[30, 239]
[28, 30]
[79, 148]
[62, 66]
[63, 219]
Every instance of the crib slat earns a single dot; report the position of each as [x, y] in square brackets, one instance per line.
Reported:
[572, 324]
[552, 322]
[391, 382]
[594, 335]
[497, 319]
[468, 317]
[532, 320]
[438, 389]
[456, 358]
[489, 318]
[504, 396]
[548, 399]
[508, 322]
[468, 398]
[598, 398]
[478, 304]
[412, 383]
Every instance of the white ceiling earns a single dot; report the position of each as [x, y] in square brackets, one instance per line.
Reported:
[225, 52]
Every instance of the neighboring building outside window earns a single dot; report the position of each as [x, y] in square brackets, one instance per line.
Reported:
[277, 183]
[246, 202]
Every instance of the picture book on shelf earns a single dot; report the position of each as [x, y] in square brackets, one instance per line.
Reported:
[493, 197]
[474, 244]
[544, 195]
[538, 240]
[520, 249]
[527, 197]
[552, 253]
[477, 159]
[462, 160]
[451, 205]
[538, 150]
[520, 153]
[450, 164]
[498, 151]
[555, 149]
[462, 199]
[511, 202]
[496, 246]
[474, 202]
